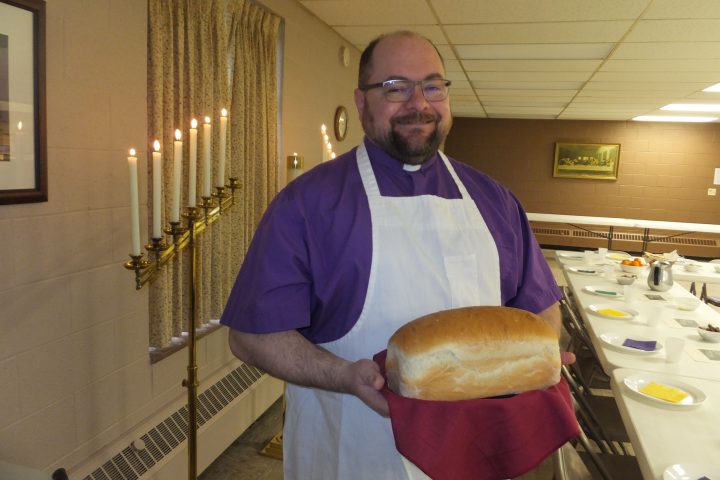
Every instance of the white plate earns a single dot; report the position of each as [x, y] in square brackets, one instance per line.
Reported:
[636, 382]
[615, 341]
[571, 255]
[691, 471]
[606, 292]
[627, 313]
[585, 270]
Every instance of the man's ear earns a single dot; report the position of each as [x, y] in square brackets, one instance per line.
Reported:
[360, 101]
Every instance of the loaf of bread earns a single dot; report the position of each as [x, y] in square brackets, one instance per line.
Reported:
[472, 352]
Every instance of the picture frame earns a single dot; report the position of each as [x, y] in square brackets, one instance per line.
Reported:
[23, 148]
[593, 161]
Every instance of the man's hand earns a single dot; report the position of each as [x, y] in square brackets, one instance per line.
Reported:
[567, 358]
[364, 380]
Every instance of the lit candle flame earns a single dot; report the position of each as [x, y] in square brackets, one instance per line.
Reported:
[323, 129]
[332, 155]
[132, 152]
[329, 147]
[178, 134]
[207, 120]
[193, 123]
[223, 112]
[326, 138]
[20, 126]
[156, 145]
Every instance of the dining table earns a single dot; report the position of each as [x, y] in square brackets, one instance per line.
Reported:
[630, 328]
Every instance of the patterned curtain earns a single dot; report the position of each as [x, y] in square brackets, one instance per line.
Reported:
[205, 55]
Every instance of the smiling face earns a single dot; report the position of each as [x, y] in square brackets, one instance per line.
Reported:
[410, 131]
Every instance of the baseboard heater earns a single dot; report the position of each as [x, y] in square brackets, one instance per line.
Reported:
[245, 390]
[690, 244]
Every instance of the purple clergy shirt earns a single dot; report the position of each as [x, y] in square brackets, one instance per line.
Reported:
[308, 264]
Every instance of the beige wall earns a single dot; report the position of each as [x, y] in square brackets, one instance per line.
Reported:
[665, 169]
[74, 366]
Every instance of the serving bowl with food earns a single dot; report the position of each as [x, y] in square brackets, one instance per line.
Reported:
[710, 333]
[635, 265]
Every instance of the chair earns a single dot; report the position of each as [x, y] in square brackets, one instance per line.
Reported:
[703, 291]
[587, 367]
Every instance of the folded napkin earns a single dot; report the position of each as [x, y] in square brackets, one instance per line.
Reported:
[663, 392]
[647, 345]
[483, 439]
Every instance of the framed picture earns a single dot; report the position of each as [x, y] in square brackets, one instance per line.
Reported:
[23, 151]
[597, 161]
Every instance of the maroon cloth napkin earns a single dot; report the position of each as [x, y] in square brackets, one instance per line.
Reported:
[483, 439]
[648, 345]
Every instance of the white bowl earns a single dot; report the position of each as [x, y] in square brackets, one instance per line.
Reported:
[709, 336]
[625, 279]
[692, 267]
[633, 269]
[687, 303]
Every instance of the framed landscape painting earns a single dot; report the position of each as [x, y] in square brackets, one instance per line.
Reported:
[597, 161]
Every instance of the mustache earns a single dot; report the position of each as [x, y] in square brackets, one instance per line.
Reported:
[417, 117]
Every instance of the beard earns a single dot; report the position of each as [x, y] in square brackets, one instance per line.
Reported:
[411, 148]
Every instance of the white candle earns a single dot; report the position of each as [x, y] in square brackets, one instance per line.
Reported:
[220, 182]
[134, 204]
[192, 165]
[323, 135]
[157, 189]
[207, 171]
[177, 176]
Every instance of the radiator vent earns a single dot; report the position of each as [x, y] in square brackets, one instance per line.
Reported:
[551, 231]
[132, 464]
[636, 237]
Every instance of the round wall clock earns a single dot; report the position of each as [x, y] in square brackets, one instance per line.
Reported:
[341, 123]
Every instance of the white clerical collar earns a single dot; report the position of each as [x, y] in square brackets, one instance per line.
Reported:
[411, 168]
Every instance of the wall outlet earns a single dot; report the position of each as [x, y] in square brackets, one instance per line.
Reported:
[712, 192]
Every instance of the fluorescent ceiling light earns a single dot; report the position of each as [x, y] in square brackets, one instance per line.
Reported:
[712, 88]
[692, 107]
[672, 118]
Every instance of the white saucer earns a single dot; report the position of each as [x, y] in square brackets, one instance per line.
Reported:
[691, 471]
[625, 313]
[584, 270]
[607, 292]
[615, 341]
[636, 382]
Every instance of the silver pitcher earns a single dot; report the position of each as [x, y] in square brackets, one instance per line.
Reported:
[660, 277]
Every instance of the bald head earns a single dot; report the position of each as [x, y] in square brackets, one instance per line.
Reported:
[366, 59]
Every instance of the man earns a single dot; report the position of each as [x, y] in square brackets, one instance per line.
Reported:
[359, 246]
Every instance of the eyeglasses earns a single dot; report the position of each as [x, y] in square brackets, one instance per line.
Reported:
[433, 90]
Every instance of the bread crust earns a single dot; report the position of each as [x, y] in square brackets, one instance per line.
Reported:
[472, 352]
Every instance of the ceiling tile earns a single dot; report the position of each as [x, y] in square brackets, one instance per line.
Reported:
[528, 76]
[362, 35]
[528, 92]
[662, 65]
[667, 50]
[528, 85]
[371, 12]
[684, 9]
[704, 78]
[538, 51]
[491, 11]
[555, 32]
[698, 30]
[531, 65]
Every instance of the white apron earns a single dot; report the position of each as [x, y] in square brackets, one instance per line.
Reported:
[428, 254]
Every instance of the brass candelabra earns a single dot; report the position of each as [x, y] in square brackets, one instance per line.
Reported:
[197, 219]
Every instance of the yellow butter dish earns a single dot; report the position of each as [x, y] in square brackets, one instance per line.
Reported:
[663, 392]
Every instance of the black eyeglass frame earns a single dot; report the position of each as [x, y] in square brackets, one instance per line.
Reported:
[422, 84]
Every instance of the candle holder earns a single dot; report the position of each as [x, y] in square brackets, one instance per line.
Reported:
[207, 204]
[221, 195]
[138, 263]
[176, 230]
[157, 246]
[233, 185]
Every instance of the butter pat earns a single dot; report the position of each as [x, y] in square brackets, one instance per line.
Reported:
[663, 392]
[612, 312]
